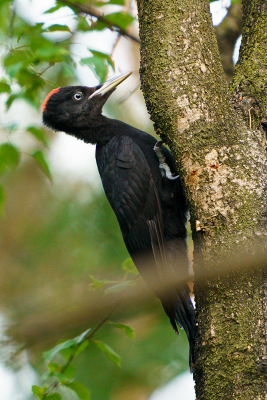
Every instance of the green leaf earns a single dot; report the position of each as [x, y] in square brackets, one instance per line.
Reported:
[109, 352]
[38, 133]
[83, 25]
[70, 345]
[105, 57]
[97, 284]
[54, 368]
[81, 347]
[81, 390]
[53, 9]
[119, 287]
[128, 266]
[57, 27]
[56, 371]
[125, 328]
[5, 17]
[50, 354]
[4, 87]
[15, 57]
[118, 2]
[67, 353]
[53, 396]
[38, 391]
[79, 339]
[69, 372]
[120, 19]
[38, 156]
[13, 97]
[67, 375]
[98, 63]
[2, 199]
[9, 156]
[45, 51]
[26, 30]
[29, 79]
[105, 3]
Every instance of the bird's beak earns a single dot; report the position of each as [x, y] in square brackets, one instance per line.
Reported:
[110, 84]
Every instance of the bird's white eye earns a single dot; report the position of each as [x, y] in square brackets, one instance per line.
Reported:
[78, 96]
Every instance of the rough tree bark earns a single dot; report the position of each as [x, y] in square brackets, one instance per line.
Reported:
[219, 147]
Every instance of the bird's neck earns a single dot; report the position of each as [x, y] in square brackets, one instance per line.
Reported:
[97, 131]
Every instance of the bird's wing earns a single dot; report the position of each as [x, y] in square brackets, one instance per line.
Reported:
[133, 195]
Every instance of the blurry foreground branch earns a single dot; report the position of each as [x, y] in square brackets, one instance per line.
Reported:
[46, 319]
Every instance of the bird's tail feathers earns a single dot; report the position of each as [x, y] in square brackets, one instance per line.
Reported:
[180, 310]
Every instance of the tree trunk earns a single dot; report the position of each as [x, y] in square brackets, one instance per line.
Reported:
[222, 163]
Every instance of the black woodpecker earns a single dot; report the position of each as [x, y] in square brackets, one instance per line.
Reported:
[143, 187]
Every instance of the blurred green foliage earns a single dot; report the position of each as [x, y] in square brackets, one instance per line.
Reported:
[58, 245]
[51, 246]
[33, 61]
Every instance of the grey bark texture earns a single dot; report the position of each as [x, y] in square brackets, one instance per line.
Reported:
[220, 151]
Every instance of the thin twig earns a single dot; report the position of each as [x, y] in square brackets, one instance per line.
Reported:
[115, 45]
[89, 336]
[45, 69]
[95, 13]
[129, 94]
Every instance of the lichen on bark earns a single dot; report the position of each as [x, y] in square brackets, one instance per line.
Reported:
[223, 169]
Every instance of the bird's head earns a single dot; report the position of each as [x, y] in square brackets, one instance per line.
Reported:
[73, 109]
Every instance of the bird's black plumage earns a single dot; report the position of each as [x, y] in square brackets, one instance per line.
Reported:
[150, 207]
[264, 126]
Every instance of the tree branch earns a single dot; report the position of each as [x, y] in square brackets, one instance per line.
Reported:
[227, 32]
[250, 77]
[89, 10]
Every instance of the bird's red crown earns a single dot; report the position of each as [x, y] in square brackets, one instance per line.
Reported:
[48, 97]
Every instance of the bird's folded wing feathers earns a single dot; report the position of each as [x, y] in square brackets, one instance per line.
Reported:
[134, 199]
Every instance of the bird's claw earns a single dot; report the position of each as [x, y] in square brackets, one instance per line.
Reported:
[163, 166]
